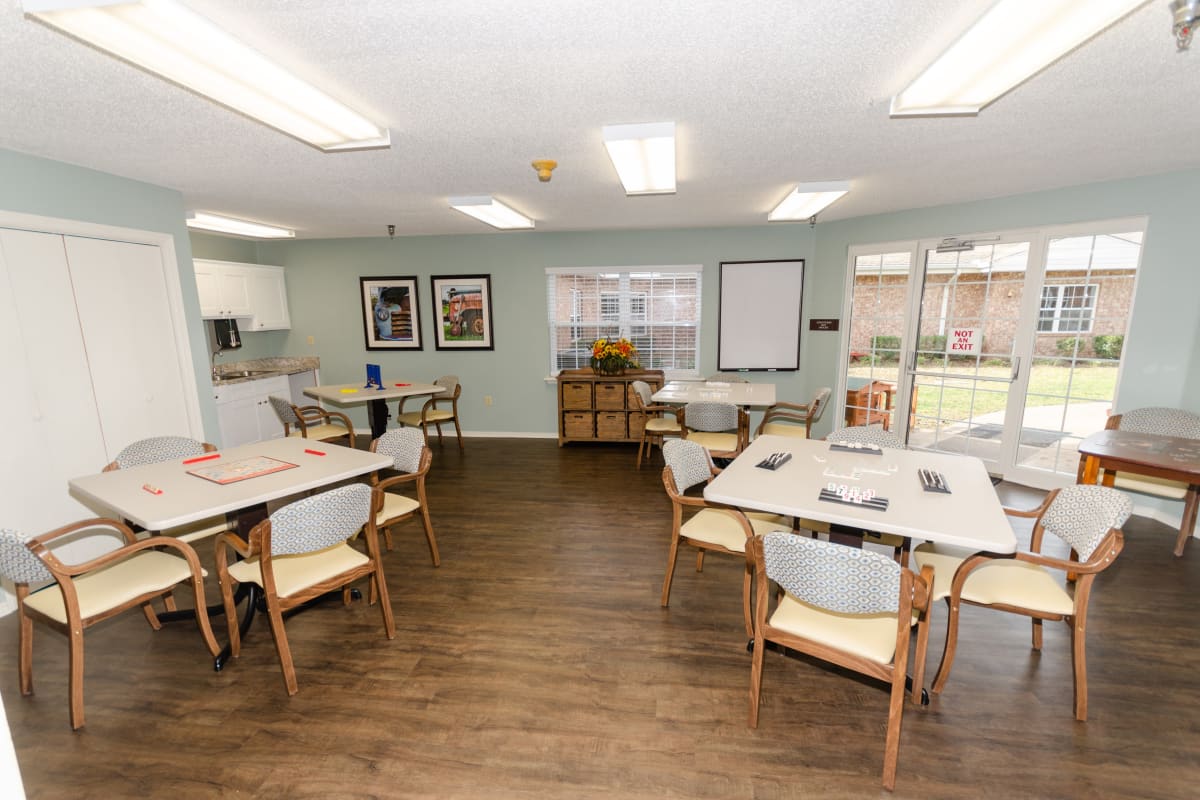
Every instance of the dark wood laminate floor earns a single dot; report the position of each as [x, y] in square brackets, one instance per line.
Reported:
[537, 663]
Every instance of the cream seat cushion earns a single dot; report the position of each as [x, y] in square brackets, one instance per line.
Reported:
[1159, 487]
[720, 528]
[661, 424]
[325, 431]
[786, 429]
[198, 530]
[298, 572]
[872, 636]
[433, 415]
[1002, 580]
[721, 442]
[108, 588]
[395, 505]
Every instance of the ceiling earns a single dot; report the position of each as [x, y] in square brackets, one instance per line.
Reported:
[764, 94]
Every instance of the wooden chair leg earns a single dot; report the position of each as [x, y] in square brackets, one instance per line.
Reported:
[25, 662]
[641, 445]
[429, 537]
[458, 433]
[231, 618]
[756, 668]
[75, 654]
[387, 537]
[672, 554]
[202, 620]
[1037, 634]
[699, 561]
[747, 581]
[891, 751]
[943, 673]
[438, 425]
[151, 617]
[1190, 507]
[169, 601]
[275, 616]
[1079, 663]
[918, 668]
[385, 602]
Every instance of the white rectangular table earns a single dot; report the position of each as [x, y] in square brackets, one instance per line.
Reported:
[350, 394]
[186, 498]
[970, 516]
[740, 394]
[175, 497]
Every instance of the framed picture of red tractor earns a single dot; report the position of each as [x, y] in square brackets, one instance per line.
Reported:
[463, 309]
[390, 313]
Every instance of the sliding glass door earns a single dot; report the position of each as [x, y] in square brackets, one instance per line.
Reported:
[1005, 347]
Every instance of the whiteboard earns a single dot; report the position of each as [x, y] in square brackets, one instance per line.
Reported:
[760, 312]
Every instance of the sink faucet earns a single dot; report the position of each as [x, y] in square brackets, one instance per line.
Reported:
[215, 375]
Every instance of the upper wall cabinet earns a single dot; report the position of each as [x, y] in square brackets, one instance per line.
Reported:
[229, 289]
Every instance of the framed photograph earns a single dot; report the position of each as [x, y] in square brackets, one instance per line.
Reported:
[463, 308]
[390, 319]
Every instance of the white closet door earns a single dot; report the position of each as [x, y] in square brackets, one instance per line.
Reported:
[52, 428]
[125, 315]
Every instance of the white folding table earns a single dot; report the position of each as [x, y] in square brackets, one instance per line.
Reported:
[740, 394]
[350, 394]
[969, 516]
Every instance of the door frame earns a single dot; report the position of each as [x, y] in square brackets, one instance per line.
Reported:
[1039, 238]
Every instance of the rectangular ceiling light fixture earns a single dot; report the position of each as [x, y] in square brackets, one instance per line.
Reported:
[238, 227]
[644, 155]
[164, 38]
[1013, 41]
[490, 210]
[807, 200]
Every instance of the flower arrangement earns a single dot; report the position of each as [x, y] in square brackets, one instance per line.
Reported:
[611, 357]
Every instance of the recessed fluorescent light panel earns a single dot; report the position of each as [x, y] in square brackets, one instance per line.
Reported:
[807, 199]
[644, 156]
[1013, 41]
[492, 211]
[237, 227]
[165, 38]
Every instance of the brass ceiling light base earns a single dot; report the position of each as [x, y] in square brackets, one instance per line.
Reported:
[544, 167]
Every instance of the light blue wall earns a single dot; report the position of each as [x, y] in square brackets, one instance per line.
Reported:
[1160, 358]
[31, 185]
[323, 292]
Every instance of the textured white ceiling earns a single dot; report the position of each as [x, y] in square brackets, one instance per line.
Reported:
[764, 94]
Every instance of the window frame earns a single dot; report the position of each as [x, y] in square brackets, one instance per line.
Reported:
[635, 304]
[1087, 312]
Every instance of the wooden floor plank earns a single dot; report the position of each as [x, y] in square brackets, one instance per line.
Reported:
[536, 662]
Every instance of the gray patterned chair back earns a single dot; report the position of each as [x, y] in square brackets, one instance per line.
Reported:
[450, 382]
[690, 463]
[642, 390]
[1082, 515]
[156, 449]
[710, 416]
[283, 408]
[1162, 422]
[320, 521]
[17, 561]
[845, 580]
[867, 434]
[404, 446]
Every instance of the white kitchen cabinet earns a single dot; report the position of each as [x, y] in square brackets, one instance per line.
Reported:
[224, 289]
[244, 410]
[268, 299]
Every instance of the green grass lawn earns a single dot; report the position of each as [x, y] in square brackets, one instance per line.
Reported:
[1048, 385]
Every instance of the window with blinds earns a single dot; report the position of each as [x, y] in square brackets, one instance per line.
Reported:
[656, 308]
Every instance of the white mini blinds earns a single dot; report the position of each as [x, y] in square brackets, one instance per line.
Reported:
[656, 308]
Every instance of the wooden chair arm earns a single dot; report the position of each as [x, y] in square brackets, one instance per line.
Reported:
[923, 588]
[396, 480]
[313, 414]
[672, 410]
[798, 407]
[1032, 512]
[132, 545]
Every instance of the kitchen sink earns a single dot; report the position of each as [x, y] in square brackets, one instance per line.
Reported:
[245, 373]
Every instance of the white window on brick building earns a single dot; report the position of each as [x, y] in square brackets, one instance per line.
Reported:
[1068, 308]
[656, 308]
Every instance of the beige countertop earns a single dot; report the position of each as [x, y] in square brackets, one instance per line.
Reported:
[259, 368]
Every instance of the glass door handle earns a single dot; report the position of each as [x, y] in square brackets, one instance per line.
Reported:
[1016, 368]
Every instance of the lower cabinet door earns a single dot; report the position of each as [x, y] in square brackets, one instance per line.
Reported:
[239, 421]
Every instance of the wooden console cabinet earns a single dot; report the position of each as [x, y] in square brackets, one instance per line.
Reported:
[601, 408]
